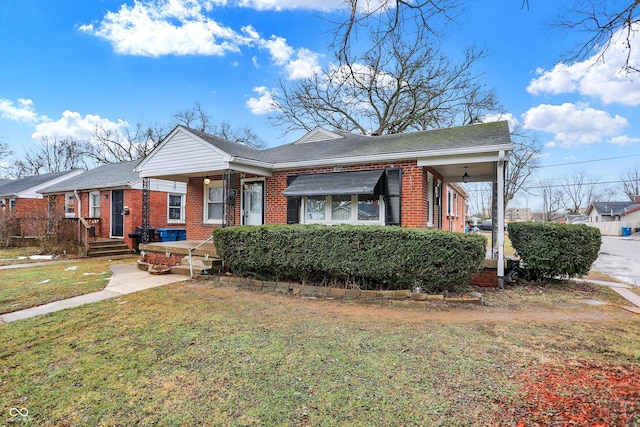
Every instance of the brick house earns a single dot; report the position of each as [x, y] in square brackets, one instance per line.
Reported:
[20, 198]
[110, 198]
[330, 177]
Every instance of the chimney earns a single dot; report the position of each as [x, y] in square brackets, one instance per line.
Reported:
[637, 199]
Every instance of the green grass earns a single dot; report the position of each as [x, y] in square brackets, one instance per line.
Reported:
[10, 256]
[199, 355]
[22, 288]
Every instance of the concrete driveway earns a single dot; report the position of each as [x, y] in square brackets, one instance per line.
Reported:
[620, 258]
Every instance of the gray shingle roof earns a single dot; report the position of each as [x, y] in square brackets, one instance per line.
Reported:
[352, 145]
[110, 175]
[614, 208]
[230, 147]
[14, 187]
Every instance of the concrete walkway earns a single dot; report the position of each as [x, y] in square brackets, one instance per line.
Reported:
[126, 278]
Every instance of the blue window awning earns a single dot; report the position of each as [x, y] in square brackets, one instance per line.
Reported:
[336, 183]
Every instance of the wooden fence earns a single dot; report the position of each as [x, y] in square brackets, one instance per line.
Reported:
[614, 228]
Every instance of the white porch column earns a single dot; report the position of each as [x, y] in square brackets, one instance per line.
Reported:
[500, 219]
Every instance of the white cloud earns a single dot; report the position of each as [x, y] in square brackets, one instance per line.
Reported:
[280, 51]
[168, 27]
[510, 118]
[175, 27]
[572, 124]
[298, 63]
[304, 65]
[624, 140]
[551, 144]
[594, 77]
[72, 125]
[263, 104]
[24, 111]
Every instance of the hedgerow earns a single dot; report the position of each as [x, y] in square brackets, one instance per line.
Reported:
[368, 257]
[550, 250]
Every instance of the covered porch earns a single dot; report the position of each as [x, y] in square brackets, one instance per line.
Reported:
[482, 166]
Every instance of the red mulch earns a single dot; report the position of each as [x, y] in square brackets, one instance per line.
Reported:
[577, 394]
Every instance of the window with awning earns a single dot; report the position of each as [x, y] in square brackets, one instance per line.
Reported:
[336, 183]
[365, 197]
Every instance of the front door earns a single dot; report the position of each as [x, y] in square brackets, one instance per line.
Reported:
[117, 219]
[253, 203]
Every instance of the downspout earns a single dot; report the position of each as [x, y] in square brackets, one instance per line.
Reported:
[75, 193]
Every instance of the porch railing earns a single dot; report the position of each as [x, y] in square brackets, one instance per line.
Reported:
[193, 249]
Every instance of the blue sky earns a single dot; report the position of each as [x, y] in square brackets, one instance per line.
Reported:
[68, 66]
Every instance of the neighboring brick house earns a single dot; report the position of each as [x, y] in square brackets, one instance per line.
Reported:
[111, 197]
[20, 198]
[332, 177]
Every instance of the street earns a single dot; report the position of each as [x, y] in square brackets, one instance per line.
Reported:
[620, 258]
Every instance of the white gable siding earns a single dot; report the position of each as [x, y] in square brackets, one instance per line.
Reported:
[184, 154]
[163, 185]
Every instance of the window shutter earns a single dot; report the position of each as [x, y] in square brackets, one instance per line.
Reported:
[293, 204]
[393, 196]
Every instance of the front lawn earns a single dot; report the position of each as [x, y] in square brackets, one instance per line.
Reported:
[22, 288]
[195, 354]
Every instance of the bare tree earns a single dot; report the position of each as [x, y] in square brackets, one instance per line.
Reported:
[51, 155]
[580, 189]
[552, 201]
[631, 182]
[197, 118]
[400, 84]
[5, 151]
[110, 146]
[523, 161]
[391, 18]
[479, 199]
[601, 20]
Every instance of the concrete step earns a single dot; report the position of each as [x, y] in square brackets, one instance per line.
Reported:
[184, 270]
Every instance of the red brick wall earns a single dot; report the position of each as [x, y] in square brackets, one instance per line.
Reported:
[414, 200]
[453, 222]
[158, 204]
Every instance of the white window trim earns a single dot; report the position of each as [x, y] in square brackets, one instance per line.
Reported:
[91, 205]
[182, 209]
[205, 202]
[430, 199]
[354, 213]
[69, 214]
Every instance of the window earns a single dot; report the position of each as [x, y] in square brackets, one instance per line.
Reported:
[214, 202]
[430, 199]
[69, 206]
[94, 204]
[175, 209]
[449, 203]
[355, 209]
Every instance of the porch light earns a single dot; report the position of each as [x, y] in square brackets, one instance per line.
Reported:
[465, 177]
[207, 181]
[105, 195]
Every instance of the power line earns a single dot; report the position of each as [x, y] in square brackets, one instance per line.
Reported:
[588, 161]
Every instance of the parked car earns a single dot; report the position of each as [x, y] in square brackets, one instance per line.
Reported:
[486, 225]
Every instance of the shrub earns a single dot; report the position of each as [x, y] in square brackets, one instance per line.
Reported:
[371, 257]
[549, 249]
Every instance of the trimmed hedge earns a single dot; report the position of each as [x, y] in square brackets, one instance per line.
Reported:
[549, 250]
[372, 257]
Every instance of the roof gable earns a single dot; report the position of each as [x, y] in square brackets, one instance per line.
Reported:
[316, 135]
[30, 185]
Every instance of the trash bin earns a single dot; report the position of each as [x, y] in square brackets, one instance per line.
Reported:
[181, 234]
[626, 231]
[167, 234]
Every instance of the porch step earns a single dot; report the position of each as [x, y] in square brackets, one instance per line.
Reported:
[110, 247]
[201, 266]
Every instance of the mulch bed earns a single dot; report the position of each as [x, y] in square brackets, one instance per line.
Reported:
[579, 393]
